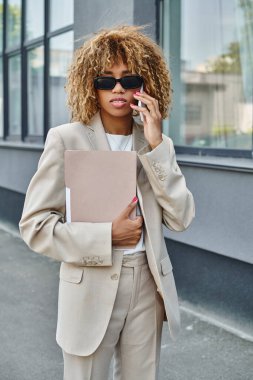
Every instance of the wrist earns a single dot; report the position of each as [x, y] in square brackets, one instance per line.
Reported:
[155, 144]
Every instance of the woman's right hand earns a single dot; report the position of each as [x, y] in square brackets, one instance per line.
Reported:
[125, 231]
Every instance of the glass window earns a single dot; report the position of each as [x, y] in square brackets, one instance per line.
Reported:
[13, 23]
[61, 50]
[35, 91]
[1, 98]
[1, 26]
[1, 68]
[34, 19]
[61, 13]
[14, 95]
[213, 77]
[26, 59]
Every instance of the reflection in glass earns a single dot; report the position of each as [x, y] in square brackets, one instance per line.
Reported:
[35, 91]
[1, 25]
[13, 23]
[34, 19]
[61, 51]
[216, 74]
[1, 99]
[14, 95]
[61, 13]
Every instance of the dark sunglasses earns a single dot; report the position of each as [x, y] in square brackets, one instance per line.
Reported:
[108, 83]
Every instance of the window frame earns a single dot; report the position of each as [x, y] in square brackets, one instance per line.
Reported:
[23, 50]
[171, 10]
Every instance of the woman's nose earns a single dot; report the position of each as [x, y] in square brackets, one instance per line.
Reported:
[118, 88]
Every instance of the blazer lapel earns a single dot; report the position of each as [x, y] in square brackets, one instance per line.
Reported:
[97, 134]
[138, 137]
[139, 142]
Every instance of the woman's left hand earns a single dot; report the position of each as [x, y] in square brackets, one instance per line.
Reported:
[152, 119]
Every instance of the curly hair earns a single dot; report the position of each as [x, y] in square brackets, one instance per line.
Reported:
[108, 47]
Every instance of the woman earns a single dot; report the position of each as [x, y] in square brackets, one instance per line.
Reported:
[113, 301]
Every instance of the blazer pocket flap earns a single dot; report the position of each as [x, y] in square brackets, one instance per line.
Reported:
[166, 266]
[71, 273]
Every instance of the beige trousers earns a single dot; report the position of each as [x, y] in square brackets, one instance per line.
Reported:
[133, 335]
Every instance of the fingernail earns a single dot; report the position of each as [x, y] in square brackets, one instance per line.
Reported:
[134, 199]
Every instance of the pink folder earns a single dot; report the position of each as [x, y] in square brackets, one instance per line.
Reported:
[99, 184]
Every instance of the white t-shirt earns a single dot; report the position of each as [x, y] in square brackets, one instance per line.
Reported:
[118, 143]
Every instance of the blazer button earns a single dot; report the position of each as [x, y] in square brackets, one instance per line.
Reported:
[114, 276]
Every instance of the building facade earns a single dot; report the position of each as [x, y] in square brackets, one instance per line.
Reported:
[209, 48]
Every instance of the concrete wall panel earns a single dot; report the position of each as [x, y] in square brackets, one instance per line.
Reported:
[17, 167]
[224, 208]
[92, 15]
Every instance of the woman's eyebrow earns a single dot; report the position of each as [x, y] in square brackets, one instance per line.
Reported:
[122, 72]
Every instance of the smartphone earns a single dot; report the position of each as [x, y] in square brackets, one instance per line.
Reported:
[140, 104]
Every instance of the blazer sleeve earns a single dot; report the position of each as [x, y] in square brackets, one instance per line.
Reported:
[42, 225]
[168, 184]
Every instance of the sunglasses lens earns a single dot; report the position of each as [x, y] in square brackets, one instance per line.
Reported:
[108, 83]
[104, 83]
[133, 81]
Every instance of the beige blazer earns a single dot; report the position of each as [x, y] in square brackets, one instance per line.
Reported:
[90, 270]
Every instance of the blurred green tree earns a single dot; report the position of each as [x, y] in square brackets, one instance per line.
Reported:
[228, 63]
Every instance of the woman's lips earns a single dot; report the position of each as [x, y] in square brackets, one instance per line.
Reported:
[118, 103]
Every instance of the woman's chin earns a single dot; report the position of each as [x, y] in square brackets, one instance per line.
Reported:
[119, 112]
